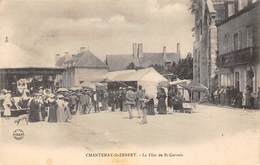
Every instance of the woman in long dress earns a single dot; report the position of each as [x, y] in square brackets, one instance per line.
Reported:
[61, 117]
[52, 104]
[34, 115]
[161, 96]
[150, 106]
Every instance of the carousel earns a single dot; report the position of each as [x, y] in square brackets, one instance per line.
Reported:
[21, 72]
[18, 68]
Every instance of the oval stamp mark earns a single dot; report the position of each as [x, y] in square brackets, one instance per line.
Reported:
[18, 134]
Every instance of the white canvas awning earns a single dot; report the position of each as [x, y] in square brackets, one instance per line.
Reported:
[149, 78]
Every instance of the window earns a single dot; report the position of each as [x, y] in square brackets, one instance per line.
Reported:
[237, 82]
[249, 36]
[226, 43]
[235, 39]
[226, 80]
[240, 40]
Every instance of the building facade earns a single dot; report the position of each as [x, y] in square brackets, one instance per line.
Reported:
[206, 14]
[80, 68]
[141, 59]
[238, 47]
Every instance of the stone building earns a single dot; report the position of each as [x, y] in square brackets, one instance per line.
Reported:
[142, 59]
[80, 68]
[206, 14]
[238, 46]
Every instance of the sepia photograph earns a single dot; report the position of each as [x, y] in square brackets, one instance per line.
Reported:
[129, 82]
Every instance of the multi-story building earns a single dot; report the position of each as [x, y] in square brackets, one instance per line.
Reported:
[80, 68]
[142, 59]
[206, 13]
[238, 46]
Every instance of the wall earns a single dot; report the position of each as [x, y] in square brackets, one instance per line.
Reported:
[238, 25]
[88, 75]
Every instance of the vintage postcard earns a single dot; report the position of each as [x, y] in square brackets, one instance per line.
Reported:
[129, 82]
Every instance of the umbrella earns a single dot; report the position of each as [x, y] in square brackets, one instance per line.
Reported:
[62, 90]
[75, 88]
[194, 86]
[177, 82]
[88, 85]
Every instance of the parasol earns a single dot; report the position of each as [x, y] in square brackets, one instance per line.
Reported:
[62, 90]
[76, 88]
[194, 86]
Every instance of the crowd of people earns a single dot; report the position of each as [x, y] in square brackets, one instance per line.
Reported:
[51, 106]
[231, 96]
[62, 104]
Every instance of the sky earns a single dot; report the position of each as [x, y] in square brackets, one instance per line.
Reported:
[48, 27]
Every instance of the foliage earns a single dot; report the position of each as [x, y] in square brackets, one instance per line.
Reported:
[133, 66]
[184, 69]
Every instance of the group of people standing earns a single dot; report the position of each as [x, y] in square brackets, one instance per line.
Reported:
[53, 107]
[232, 96]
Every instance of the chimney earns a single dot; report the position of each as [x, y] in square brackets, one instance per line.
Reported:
[179, 50]
[6, 39]
[57, 56]
[140, 50]
[135, 50]
[164, 50]
[135, 54]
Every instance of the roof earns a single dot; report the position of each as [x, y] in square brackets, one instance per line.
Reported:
[149, 78]
[12, 56]
[135, 75]
[60, 61]
[120, 62]
[85, 59]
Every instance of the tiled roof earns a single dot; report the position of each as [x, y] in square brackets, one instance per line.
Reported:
[120, 62]
[85, 59]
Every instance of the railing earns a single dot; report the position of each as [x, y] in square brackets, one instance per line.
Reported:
[239, 57]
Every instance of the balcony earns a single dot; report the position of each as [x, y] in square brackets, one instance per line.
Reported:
[238, 57]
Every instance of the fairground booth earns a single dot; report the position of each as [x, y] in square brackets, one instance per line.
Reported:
[22, 69]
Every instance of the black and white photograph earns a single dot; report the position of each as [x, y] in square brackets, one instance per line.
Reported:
[129, 82]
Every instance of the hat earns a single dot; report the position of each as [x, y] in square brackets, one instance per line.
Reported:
[130, 87]
[51, 95]
[60, 96]
[4, 91]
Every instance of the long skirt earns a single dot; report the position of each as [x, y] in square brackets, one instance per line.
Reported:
[7, 110]
[150, 107]
[34, 116]
[67, 115]
[161, 106]
[61, 117]
[52, 115]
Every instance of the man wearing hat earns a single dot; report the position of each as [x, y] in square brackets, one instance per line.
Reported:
[130, 100]
[140, 99]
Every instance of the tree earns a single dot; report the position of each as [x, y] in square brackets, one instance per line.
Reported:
[184, 69]
[133, 66]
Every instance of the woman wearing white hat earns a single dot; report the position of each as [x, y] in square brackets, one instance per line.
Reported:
[61, 117]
